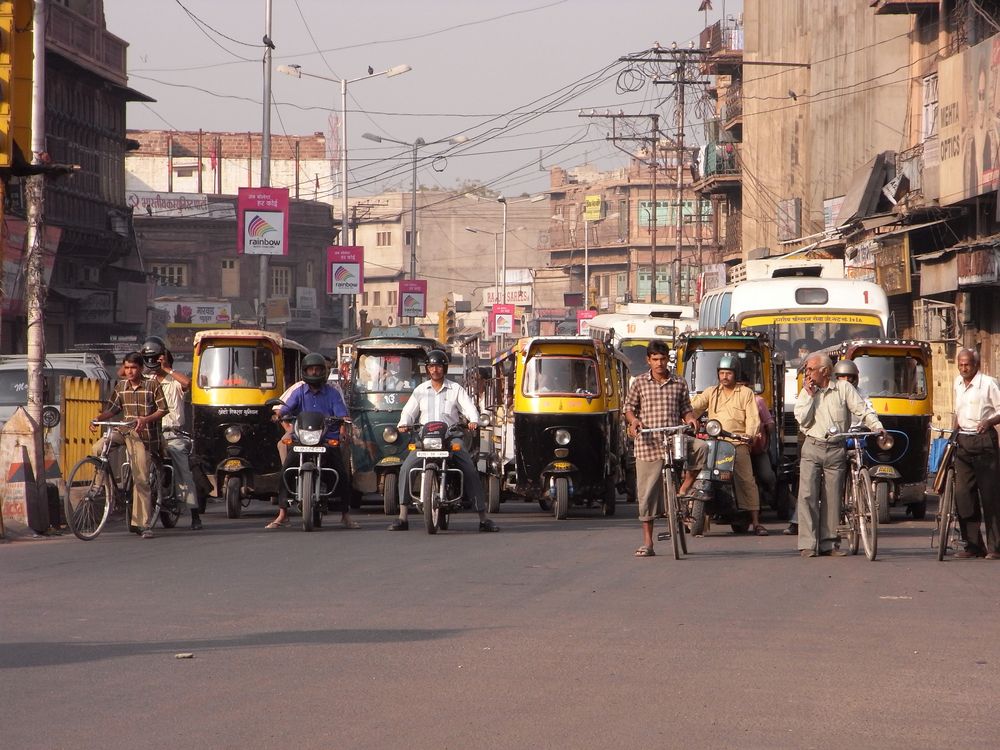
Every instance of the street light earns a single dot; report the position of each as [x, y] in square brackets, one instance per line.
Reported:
[413, 188]
[297, 72]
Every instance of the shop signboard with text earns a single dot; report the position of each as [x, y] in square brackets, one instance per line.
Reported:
[412, 298]
[263, 221]
[502, 317]
[345, 270]
[583, 321]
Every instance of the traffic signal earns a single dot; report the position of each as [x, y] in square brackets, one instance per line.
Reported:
[443, 322]
[450, 328]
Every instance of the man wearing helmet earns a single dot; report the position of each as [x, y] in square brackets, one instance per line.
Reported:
[438, 399]
[158, 363]
[735, 407]
[315, 394]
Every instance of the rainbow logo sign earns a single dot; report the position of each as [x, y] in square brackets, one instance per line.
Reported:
[409, 301]
[258, 227]
[343, 274]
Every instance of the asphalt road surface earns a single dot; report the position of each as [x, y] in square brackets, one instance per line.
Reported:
[548, 634]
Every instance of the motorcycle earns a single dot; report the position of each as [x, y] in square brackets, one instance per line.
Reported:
[436, 486]
[714, 485]
[309, 484]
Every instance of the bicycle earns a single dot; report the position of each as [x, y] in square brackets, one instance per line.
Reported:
[674, 456]
[946, 530]
[94, 493]
[858, 511]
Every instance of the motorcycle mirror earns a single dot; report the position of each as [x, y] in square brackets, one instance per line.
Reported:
[713, 427]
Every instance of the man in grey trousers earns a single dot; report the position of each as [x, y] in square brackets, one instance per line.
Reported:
[823, 404]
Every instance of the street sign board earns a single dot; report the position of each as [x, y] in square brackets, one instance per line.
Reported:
[412, 298]
[263, 221]
[503, 319]
[345, 270]
[583, 321]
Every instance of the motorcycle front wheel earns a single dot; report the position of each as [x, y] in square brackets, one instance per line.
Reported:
[307, 499]
[428, 496]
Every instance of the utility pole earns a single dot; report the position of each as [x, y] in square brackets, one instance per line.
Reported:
[653, 140]
[265, 158]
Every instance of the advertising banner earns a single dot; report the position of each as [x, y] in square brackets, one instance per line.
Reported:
[412, 299]
[262, 228]
[592, 208]
[345, 270]
[516, 295]
[196, 313]
[148, 203]
[583, 321]
[968, 117]
[502, 319]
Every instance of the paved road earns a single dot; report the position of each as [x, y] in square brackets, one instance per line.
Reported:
[548, 634]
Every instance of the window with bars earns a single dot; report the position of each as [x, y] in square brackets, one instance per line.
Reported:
[391, 296]
[407, 239]
[383, 239]
[281, 281]
[376, 299]
[170, 274]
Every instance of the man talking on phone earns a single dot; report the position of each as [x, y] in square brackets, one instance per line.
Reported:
[824, 403]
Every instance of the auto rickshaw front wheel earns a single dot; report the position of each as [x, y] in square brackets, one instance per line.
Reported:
[561, 505]
[610, 498]
[492, 494]
[234, 503]
[390, 494]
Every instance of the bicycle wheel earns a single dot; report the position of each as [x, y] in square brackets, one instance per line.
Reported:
[670, 502]
[88, 499]
[155, 493]
[849, 514]
[946, 510]
[868, 513]
[170, 505]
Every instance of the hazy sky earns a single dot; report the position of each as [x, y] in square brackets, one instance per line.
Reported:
[512, 77]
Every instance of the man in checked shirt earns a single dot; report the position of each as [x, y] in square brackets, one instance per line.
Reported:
[440, 400]
[142, 401]
[658, 398]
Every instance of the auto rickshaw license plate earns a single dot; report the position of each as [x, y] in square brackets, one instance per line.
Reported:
[884, 471]
[432, 454]
[232, 465]
[309, 448]
[561, 465]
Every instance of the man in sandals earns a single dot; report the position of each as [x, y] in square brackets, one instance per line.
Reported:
[658, 399]
[735, 407]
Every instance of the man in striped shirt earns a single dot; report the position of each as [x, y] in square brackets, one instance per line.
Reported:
[140, 400]
[441, 400]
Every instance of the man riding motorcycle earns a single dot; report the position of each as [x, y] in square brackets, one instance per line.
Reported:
[438, 399]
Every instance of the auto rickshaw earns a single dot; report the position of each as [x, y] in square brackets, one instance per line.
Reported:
[385, 368]
[555, 424]
[763, 369]
[236, 371]
[895, 377]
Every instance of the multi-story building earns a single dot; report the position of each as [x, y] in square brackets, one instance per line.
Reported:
[96, 288]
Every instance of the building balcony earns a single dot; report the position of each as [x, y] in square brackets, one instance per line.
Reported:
[725, 47]
[721, 173]
[732, 243]
[732, 109]
[84, 40]
[897, 7]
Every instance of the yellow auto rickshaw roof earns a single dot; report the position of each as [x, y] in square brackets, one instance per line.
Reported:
[884, 346]
[247, 333]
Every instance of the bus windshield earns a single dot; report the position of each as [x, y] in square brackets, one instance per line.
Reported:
[388, 372]
[796, 340]
[563, 376]
[237, 366]
[701, 369]
[891, 377]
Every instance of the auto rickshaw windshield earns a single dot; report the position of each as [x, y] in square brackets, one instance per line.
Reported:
[573, 376]
[237, 366]
[388, 372]
[891, 377]
[701, 369]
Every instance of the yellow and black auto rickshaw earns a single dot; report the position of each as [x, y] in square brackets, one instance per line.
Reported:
[763, 369]
[895, 377]
[236, 371]
[555, 424]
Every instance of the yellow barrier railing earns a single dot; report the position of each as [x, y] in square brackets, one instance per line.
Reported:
[82, 400]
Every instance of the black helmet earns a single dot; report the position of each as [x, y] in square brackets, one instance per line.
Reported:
[437, 357]
[846, 367]
[314, 359]
[152, 349]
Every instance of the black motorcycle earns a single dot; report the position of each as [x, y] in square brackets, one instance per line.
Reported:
[436, 485]
[309, 483]
[714, 485]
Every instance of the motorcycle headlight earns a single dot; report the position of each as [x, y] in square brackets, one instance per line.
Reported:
[713, 427]
[233, 434]
[432, 443]
[390, 435]
[562, 437]
[309, 437]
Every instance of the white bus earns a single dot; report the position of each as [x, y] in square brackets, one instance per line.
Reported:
[630, 333]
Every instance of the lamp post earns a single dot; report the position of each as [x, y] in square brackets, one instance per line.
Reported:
[297, 72]
[496, 255]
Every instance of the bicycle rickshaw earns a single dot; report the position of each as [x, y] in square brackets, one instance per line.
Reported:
[895, 376]
[385, 368]
[236, 372]
[555, 434]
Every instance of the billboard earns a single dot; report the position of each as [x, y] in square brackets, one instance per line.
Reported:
[969, 121]
[583, 321]
[412, 299]
[345, 270]
[502, 319]
[196, 313]
[591, 208]
[262, 228]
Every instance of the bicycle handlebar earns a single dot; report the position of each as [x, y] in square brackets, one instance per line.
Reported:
[103, 423]
[675, 428]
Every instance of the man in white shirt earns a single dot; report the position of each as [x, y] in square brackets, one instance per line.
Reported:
[440, 400]
[977, 412]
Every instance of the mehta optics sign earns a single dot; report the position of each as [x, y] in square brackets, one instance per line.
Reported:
[263, 221]
[345, 270]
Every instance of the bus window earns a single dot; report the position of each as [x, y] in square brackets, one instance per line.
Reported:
[725, 304]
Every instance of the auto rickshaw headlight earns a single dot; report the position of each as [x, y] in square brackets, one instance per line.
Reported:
[885, 442]
[390, 435]
[713, 427]
[562, 437]
[484, 420]
[233, 434]
[309, 437]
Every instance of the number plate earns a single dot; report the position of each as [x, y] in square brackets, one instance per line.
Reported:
[884, 471]
[432, 454]
[309, 449]
[232, 464]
